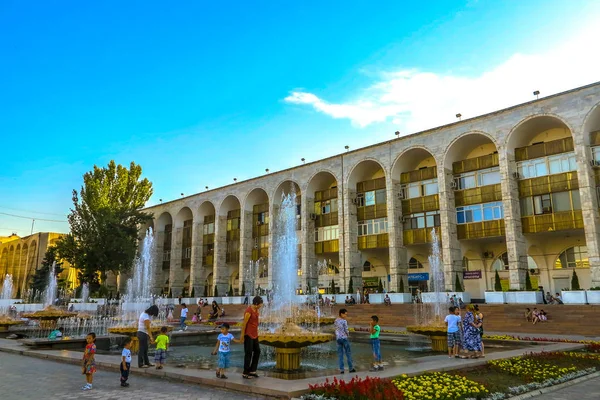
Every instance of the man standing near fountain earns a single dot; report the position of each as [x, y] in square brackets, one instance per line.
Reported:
[343, 345]
[249, 337]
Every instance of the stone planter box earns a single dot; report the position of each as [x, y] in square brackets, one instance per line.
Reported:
[376, 298]
[431, 297]
[593, 296]
[574, 296]
[495, 297]
[465, 296]
[340, 299]
[29, 307]
[524, 297]
[400, 298]
[235, 300]
[9, 302]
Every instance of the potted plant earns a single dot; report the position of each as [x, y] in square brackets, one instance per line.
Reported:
[575, 295]
[593, 295]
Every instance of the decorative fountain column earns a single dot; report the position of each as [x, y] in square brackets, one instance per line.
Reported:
[430, 317]
[286, 325]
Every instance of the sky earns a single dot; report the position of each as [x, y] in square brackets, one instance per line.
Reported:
[200, 93]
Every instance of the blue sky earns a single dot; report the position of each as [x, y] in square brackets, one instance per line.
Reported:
[200, 93]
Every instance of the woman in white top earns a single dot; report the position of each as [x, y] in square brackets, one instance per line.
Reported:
[184, 313]
[144, 335]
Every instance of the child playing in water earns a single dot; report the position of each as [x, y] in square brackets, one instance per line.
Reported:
[89, 364]
[224, 348]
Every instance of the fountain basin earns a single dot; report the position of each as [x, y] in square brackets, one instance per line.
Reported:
[49, 315]
[437, 334]
[131, 331]
[7, 323]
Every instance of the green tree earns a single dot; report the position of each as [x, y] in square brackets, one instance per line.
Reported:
[401, 285]
[243, 289]
[104, 221]
[380, 286]
[332, 287]
[528, 282]
[497, 282]
[350, 287]
[39, 279]
[216, 291]
[457, 284]
[230, 294]
[193, 292]
[205, 290]
[575, 282]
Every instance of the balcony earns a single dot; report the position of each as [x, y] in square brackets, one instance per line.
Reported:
[208, 239]
[232, 257]
[422, 174]
[232, 235]
[207, 259]
[473, 164]
[548, 184]
[260, 253]
[323, 195]
[379, 241]
[553, 222]
[418, 236]
[260, 230]
[544, 149]
[327, 246]
[478, 195]
[373, 184]
[326, 219]
[421, 204]
[371, 212]
[483, 229]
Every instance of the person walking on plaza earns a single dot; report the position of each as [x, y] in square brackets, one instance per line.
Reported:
[472, 338]
[452, 322]
[184, 313]
[375, 329]
[343, 343]
[162, 343]
[89, 361]
[223, 347]
[144, 335]
[249, 337]
[125, 365]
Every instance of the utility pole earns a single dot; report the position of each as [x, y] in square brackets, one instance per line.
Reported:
[32, 223]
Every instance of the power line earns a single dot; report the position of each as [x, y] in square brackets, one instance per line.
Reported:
[37, 219]
[33, 212]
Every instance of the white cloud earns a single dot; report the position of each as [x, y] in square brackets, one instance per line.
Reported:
[416, 100]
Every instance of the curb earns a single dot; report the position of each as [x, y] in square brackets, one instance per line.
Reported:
[554, 388]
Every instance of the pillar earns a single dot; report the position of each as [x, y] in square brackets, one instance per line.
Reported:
[220, 275]
[451, 253]
[196, 281]
[310, 275]
[349, 255]
[158, 277]
[516, 245]
[176, 273]
[398, 253]
[271, 262]
[246, 245]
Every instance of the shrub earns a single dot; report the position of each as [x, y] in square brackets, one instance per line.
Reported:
[350, 287]
[216, 291]
[575, 282]
[205, 291]
[401, 285]
[457, 284]
[380, 286]
[243, 289]
[230, 290]
[528, 282]
[497, 282]
[356, 389]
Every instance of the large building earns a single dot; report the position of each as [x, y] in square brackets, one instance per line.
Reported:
[21, 256]
[512, 191]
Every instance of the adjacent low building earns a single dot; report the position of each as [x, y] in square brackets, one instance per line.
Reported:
[513, 191]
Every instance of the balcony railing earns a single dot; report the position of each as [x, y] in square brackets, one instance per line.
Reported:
[371, 212]
[326, 219]
[478, 195]
[373, 241]
[422, 174]
[553, 222]
[232, 235]
[323, 195]
[208, 239]
[418, 236]
[232, 257]
[327, 246]
[544, 149]
[260, 253]
[473, 164]
[373, 184]
[478, 230]
[421, 204]
[260, 230]
[548, 184]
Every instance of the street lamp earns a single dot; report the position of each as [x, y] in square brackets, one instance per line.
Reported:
[459, 116]
[397, 133]
[206, 187]
[303, 160]
[347, 148]
[235, 179]
[536, 94]
[267, 170]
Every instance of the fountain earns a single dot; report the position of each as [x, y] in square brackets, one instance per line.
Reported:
[283, 320]
[138, 296]
[85, 292]
[5, 302]
[50, 314]
[430, 317]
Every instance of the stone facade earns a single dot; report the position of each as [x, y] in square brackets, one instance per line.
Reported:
[575, 112]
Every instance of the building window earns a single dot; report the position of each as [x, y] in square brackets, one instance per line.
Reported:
[167, 256]
[371, 198]
[596, 154]
[208, 229]
[573, 257]
[428, 219]
[550, 203]
[187, 253]
[479, 212]
[420, 189]
[372, 227]
[326, 207]
[413, 263]
[483, 177]
[232, 224]
[550, 165]
[501, 263]
[327, 233]
[367, 266]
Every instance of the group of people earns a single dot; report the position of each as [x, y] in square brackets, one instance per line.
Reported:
[535, 315]
[342, 336]
[556, 299]
[465, 333]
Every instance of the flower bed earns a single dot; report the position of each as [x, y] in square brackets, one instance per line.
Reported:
[539, 339]
[440, 386]
[355, 389]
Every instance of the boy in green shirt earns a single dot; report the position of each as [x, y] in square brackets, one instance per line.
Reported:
[375, 344]
[162, 342]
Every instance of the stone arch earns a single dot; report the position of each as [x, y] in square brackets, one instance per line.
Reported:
[285, 187]
[411, 159]
[229, 203]
[500, 263]
[185, 214]
[320, 180]
[163, 220]
[11, 260]
[365, 170]
[4, 262]
[206, 208]
[24, 265]
[591, 124]
[572, 257]
[531, 127]
[466, 146]
[255, 196]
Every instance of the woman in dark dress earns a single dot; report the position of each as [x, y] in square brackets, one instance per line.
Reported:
[472, 337]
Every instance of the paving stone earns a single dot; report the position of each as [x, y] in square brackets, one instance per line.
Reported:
[587, 390]
[31, 378]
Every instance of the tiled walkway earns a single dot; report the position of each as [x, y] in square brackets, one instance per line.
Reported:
[587, 390]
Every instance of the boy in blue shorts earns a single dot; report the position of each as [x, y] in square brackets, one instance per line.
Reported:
[453, 322]
[223, 347]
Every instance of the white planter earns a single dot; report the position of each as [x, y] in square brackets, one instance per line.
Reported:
[340, 299]
[8, 302]
[495, 297]
[432, 297]
[29, 307]
[234, 300]
[400, 298]
[465, 296]
[90, 307]
[525, 297]
[574, 297]
[376, 298]
[593, 296]
[98, 300]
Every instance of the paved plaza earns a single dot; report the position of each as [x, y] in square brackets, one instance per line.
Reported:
[587, 390]
[31, 378]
